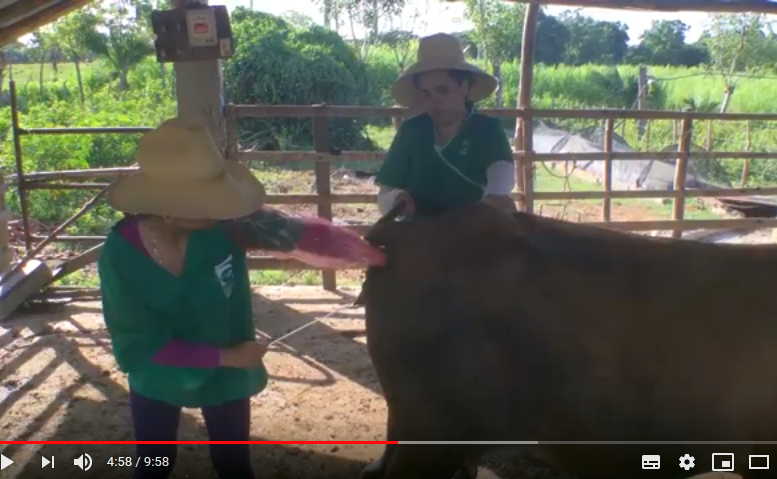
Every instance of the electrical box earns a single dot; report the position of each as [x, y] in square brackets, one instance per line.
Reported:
[192, 34]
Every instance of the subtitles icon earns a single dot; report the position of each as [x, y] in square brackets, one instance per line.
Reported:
[722, 462]
[84, 462]
[758, 462]
[651, 461]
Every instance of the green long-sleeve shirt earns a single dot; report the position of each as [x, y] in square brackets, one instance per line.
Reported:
[452, 177]
[145, 306]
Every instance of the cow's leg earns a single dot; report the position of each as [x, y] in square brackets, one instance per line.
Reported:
[377, 468]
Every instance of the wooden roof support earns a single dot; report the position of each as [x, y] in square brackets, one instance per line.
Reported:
[735, 6]
[38, 19]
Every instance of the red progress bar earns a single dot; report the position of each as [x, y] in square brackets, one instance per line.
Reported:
[198, 442]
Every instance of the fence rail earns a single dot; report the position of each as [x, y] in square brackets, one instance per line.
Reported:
[325, 153]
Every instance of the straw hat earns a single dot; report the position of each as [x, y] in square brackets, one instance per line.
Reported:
[441, 52]
[183, 175]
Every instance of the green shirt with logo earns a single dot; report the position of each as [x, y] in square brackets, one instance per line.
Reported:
[145, 306]
[453, 176]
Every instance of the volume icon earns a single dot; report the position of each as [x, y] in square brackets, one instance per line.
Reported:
[84, 462]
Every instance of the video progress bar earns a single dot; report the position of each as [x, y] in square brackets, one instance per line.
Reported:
[592, 443]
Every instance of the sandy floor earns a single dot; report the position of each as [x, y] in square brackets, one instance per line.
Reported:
[58, 381]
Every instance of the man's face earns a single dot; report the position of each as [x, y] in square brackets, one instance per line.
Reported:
[443, 97]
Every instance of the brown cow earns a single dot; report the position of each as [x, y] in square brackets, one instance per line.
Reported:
[490, 326]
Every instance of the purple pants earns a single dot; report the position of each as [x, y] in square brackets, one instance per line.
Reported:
[158, 421]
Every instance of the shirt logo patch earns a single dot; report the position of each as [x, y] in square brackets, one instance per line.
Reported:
[464, 147]
[226, 276]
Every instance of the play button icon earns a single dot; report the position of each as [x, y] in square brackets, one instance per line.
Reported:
[4, 462]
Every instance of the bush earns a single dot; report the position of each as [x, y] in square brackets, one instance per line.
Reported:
[278, 63]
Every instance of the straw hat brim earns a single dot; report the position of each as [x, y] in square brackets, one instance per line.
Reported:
[406, 93]
[233, 194]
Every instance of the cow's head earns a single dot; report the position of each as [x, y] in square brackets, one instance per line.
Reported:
[471, 237]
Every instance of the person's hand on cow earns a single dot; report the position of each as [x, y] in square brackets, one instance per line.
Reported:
[500, 202]
[408, 203]
[246, 355]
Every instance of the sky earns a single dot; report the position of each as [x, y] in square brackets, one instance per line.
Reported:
[439, 16]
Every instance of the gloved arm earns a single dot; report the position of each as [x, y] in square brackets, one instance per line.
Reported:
[314, 241]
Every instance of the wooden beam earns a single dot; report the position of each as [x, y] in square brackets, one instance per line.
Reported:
[19, 284]
[339, 111]
[322, 144]
[524, 131]
[37, 20]
[736, 6]
[72, 265]
[608, 132]
[19, 10]
[681, 169]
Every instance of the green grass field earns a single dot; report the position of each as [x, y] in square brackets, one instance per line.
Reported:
[27, 75]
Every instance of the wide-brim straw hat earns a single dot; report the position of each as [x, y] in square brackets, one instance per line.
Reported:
[441, 52]
[184, 175]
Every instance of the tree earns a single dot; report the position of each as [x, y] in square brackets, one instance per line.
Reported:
[664, 44]
[403, 45]
[122, 38]
[498, 29]
[552, 40]
[279, 63]
[38, 52]
[593, 41]
[738, 43]
[365, 19]
[71, 32]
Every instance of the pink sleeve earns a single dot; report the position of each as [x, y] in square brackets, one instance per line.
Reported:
[185, 354]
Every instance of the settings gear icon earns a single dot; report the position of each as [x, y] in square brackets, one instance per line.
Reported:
[687, 462]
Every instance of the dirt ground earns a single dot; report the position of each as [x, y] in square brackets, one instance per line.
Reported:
[58, 381]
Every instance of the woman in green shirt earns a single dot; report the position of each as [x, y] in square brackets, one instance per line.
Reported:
[176, 294]
[449, 156]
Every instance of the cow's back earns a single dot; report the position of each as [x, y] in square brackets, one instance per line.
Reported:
[533, 329]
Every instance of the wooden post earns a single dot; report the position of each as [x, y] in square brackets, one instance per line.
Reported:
[323, 189]
[748, 148]
[232, 133]
[674, 132]
[709, 135]
[199, 89]
[20, 182]
[524, 133]
[642, 87]
[5, 250]
[681, 169]
[610, 124]
[396, 121]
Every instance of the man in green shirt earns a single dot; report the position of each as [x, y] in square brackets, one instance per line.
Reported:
[450, 156]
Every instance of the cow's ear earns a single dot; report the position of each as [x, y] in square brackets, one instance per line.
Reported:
[382, 233]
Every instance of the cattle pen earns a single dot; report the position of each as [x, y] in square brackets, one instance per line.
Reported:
[324, 155]
[57, 374]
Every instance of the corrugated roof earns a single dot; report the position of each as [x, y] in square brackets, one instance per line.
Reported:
[19, 17]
